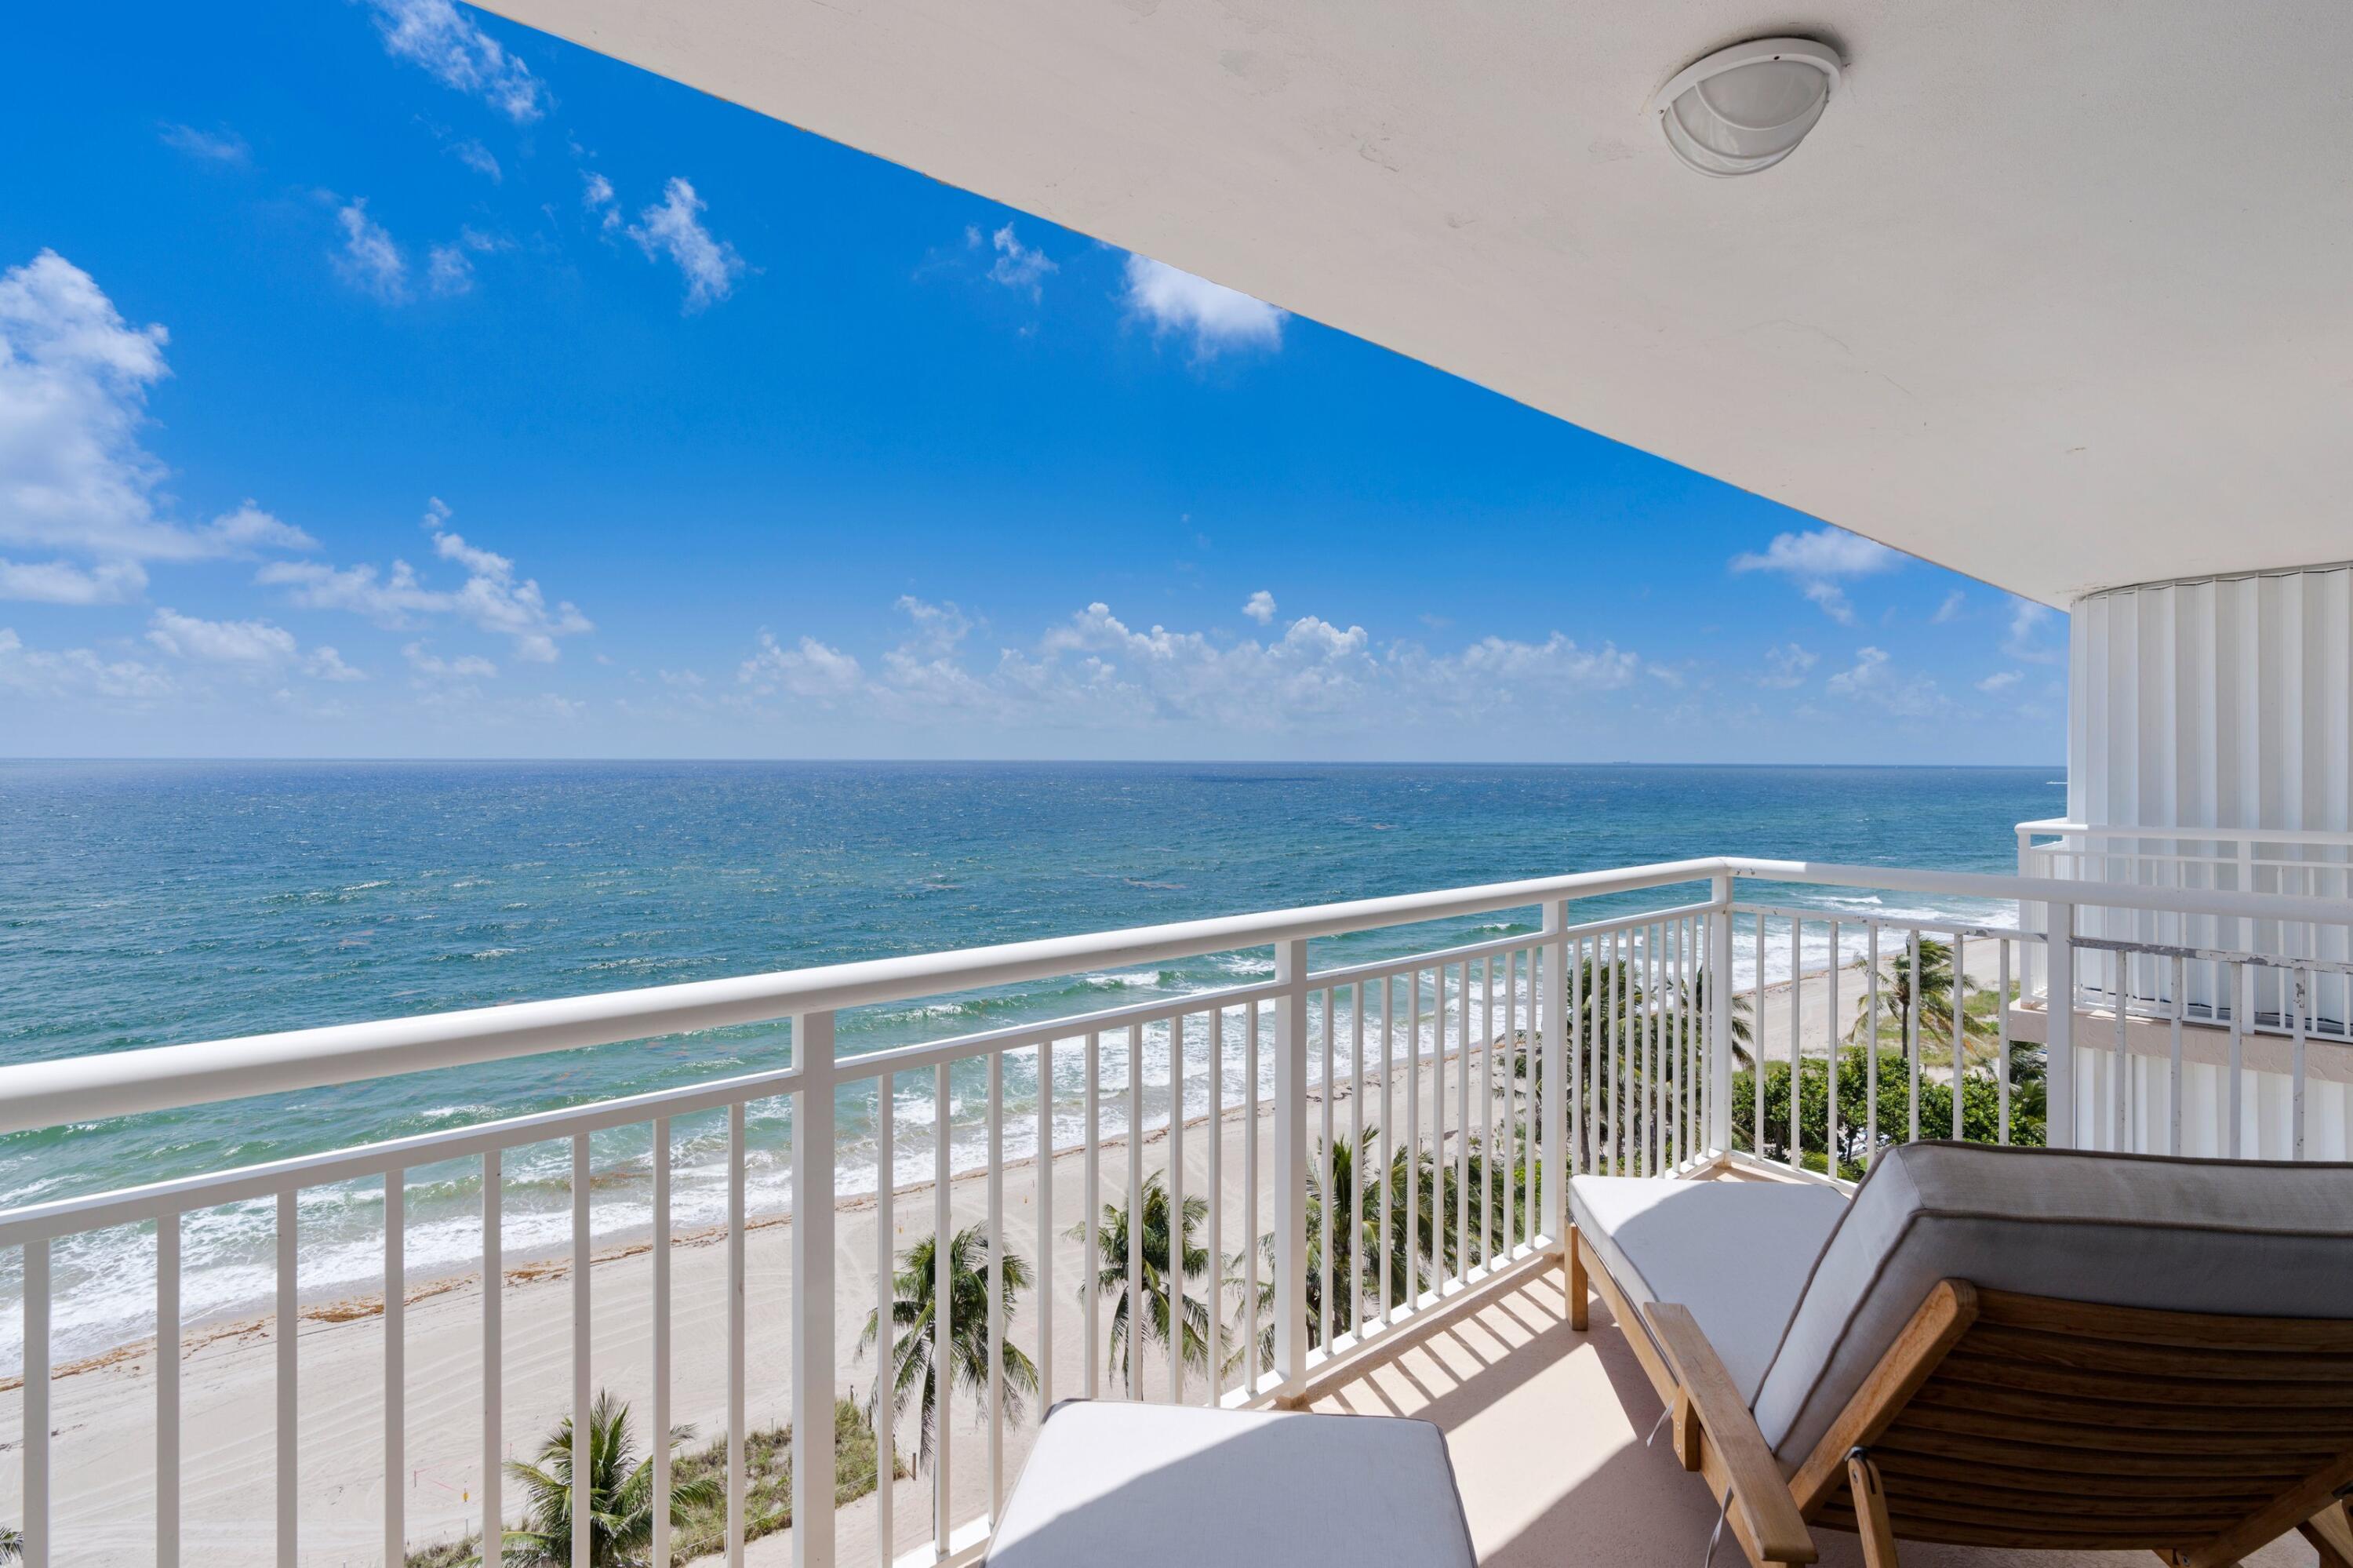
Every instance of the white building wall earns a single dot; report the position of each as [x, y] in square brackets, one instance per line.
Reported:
[2218, 703]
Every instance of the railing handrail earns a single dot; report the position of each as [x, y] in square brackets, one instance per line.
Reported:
[2058, 827]
[88, 1087]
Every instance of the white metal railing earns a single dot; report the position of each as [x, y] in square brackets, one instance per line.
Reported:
[1470, 1080]
[2158, 962]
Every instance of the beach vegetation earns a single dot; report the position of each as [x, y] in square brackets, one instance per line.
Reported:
[1190, 1330]
[911, 1376]
[699, 1497]
[1859, 1132]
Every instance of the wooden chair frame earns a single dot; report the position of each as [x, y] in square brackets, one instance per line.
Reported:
[2004, 1420]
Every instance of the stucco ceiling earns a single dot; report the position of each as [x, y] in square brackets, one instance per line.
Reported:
[2059, 294]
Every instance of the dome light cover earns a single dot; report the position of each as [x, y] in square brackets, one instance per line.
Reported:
[1746, 108]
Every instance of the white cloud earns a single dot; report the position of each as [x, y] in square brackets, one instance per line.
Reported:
[2027, 620]
[673, 228]
[1260, 608]
[76, 672]
[1217, 317]
[437, 36]
[491, 597]
[449, 271]
[1815, 561]
[249, 527]
[223, 146]
[1950, 610]
[325, 665]
[465, 667]
[810, 670]
[597, 195]
[1787, 667]
[2000, 682]
[62, 582]
[1875, 680]
[370, 261]
[480, 159]
[74, 379]
[1095, 671]
[247, 642]
[1017, 266]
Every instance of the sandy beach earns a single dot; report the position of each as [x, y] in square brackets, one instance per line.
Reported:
[103, 1445]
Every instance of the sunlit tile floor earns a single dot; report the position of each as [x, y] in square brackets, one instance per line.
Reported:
[1546, 1427]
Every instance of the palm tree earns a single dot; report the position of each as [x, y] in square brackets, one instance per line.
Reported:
[1937, 992]
[911, 1354]
[1433, 1241]
[620, 1493]
[11, 1544]
[1111, 1277]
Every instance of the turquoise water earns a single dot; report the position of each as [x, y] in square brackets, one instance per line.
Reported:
[155, 904]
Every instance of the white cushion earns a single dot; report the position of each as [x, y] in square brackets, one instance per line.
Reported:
[1735, 1253]
[2259, 1238]
[1157, 1486]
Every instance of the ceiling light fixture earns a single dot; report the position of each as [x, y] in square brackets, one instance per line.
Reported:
[1746, 108]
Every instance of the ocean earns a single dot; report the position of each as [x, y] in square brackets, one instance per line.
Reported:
[152, 903]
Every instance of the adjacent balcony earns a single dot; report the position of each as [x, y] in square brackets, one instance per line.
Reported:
[1337, 1182]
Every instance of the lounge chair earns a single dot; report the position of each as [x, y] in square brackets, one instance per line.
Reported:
[2014, 1348]
[1157, 1486]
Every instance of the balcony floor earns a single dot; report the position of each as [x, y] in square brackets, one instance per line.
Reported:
[1547, 1430]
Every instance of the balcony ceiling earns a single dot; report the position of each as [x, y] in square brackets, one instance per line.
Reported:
[2059, 295]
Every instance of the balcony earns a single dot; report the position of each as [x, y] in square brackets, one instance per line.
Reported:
[697, 1251]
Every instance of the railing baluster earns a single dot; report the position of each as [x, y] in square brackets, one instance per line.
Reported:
[1655, 1028]
[1386, 1137]
[494, 1355]
[1091, 1269]
[396, 1401]
[1912, 1009]
[1355, 1282]
[1177, 1210]
[1290, 974]
[1045, 1225]
[289, 1499]
[1870, 1051]
[167, 1391]
[1960, 1033]
[1756, 1039]
[2240, 992]
[1412, 1137]
[1507, 1139]
[583, 1468]
[1797, 1043]
[886, 1339]
[1136, 1211]
[1216, 1195]
[2001, 1027]
[996, 1325]
[1831, 1017]
[1487, 1113]
[735, 1322]
[2303, 980]
[814, 1180]
[943, 1308]
[2120, 970]
[1253, 1365]
[2173, 1092]
[37, 1419]
[1462, 1121]
[1574, 1038]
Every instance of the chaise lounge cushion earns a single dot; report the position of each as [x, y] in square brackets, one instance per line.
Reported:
[1157, 1486]
[1735, 1253]
[2252, 1237]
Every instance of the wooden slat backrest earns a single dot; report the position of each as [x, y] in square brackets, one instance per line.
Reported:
[2022, 1421]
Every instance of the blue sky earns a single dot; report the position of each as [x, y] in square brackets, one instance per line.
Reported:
[377, 378]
